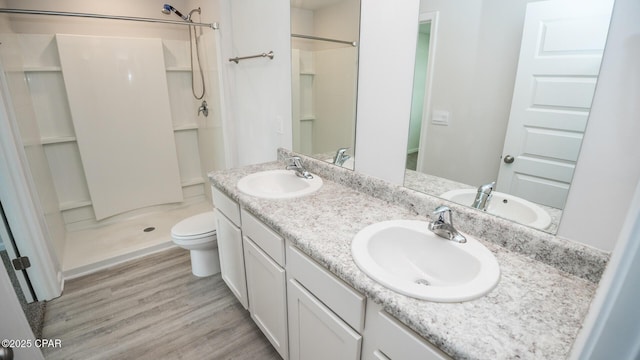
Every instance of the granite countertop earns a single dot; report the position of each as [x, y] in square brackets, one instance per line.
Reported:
[534, 312]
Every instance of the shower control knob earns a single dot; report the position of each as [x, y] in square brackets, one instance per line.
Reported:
[509, 159]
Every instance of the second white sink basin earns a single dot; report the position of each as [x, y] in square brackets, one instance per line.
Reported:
[405, 256]
[507, 206]
[278, 184]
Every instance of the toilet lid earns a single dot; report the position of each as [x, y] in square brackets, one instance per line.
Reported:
[196, 225]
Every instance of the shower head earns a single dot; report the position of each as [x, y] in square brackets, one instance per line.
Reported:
[168, 9]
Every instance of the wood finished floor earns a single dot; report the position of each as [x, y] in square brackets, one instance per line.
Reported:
[152, 308]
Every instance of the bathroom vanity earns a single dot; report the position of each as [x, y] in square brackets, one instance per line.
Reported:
[288, 261]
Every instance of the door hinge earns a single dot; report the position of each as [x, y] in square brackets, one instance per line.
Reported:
[21, 263]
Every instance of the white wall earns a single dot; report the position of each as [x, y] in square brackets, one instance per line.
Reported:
[388, 35]
[335, 93]
[609, 165]
[211, 137]
[475, 64]
[258, 91]
[334, 80]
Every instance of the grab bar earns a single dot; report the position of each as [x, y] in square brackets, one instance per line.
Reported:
[237, 59]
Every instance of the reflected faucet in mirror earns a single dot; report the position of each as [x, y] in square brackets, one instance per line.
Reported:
[341, 156]
[483, 196]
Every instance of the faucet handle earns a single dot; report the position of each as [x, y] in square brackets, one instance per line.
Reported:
[294, 161]
[443, 228]
[487, 188]
[441, 211]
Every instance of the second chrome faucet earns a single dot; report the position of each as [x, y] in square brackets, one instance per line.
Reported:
[341, 156]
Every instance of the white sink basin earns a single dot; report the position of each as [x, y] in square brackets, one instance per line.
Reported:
[406, 257]
[506, 206]
[278, 184]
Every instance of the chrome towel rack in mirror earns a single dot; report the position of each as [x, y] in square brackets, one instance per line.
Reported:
[309, 37]
[237, 59]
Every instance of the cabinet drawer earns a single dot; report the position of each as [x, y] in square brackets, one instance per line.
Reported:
[270, 242]
[333, 292]
[226, 205]
[387, 338]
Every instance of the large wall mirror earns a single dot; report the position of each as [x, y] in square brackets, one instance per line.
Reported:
[502, 93]
[324, 51]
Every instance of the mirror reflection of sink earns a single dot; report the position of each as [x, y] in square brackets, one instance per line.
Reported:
[278, 184]
[406, 257]
[349, 164]
[507, 206]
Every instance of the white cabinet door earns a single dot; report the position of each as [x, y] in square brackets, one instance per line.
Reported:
[266, 286]
[231, 257]
[315, 332]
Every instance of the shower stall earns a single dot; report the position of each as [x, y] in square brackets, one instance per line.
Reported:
[118, 119]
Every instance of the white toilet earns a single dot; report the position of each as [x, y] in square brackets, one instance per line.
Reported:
[198, 235]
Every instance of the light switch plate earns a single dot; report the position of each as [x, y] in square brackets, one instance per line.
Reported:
[440, 117]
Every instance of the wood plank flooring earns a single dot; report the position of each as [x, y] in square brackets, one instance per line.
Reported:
[152, 308]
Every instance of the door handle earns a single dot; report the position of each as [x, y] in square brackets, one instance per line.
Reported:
[509, 159]
[6, 353]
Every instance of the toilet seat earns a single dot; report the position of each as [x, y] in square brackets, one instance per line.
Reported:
[195, 227]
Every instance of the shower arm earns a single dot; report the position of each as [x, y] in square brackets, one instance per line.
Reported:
[213, 25]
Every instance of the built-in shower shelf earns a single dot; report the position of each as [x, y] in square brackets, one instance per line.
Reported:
[28, 68]
[307, 117]
[307, 73]
[57, 140]
[186, 127]
[70, 205]
[178, 68]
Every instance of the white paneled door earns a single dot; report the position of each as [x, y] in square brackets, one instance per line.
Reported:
[560, 54]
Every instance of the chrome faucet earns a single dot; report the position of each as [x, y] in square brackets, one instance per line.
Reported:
[341, 156]
[444, 228]
[483, 196]
[295, 163]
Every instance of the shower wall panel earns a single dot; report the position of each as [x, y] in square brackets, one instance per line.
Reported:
[119, 102]
[46, 88]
